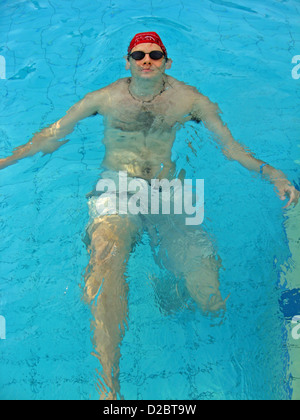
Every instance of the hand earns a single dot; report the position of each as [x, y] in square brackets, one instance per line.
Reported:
[287, 190]
[4, 163]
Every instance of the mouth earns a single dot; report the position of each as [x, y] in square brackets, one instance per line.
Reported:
[146, 70]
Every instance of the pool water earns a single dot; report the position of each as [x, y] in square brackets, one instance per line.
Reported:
[239, 53]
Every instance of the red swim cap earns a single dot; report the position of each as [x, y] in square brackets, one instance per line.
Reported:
[147, 37]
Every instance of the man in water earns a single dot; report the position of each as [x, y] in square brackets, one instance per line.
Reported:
[142, 115]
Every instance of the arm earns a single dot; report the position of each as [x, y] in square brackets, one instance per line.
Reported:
[47, 140]
[209, 112]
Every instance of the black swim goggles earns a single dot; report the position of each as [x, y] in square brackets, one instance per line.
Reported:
[154, 55]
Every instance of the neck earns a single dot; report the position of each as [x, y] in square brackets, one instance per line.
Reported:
[146, 89]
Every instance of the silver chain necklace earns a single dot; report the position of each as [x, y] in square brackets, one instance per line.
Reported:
[151, 100]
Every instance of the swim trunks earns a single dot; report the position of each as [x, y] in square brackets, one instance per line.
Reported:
[169, 224]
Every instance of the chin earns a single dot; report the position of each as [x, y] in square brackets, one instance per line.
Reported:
[149, 75]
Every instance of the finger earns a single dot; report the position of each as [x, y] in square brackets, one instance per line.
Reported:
[281, 193]
[225, 300]
[288, 204]
[292, 198]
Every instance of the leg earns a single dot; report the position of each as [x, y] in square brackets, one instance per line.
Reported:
[188, 253]
[203, 285]
[111, 241]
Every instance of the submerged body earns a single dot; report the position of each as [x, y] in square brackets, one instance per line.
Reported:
[142, 115]
[138, 139]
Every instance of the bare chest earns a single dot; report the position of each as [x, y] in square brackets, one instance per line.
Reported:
[165, 114]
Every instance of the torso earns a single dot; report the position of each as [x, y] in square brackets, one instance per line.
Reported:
[139, 136]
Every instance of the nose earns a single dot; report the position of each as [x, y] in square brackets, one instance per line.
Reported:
[147, 59]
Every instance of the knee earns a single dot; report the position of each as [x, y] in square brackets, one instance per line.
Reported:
[214, 303]
[106, 246]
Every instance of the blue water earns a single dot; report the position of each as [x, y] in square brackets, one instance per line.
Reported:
[238, 53]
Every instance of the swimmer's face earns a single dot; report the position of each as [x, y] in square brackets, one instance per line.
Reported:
[147, 68]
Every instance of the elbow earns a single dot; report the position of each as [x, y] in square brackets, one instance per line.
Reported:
[229, 153]
[59, 130]
[52, 146]
[236, 151]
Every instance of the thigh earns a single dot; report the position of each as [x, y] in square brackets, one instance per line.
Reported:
[190, 253]
[183, 249]
[110, 242]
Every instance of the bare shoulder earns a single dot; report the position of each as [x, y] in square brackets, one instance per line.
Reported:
[190, 93]
[179, 85]
[198, 104]
[109, 88]
[103, 97]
